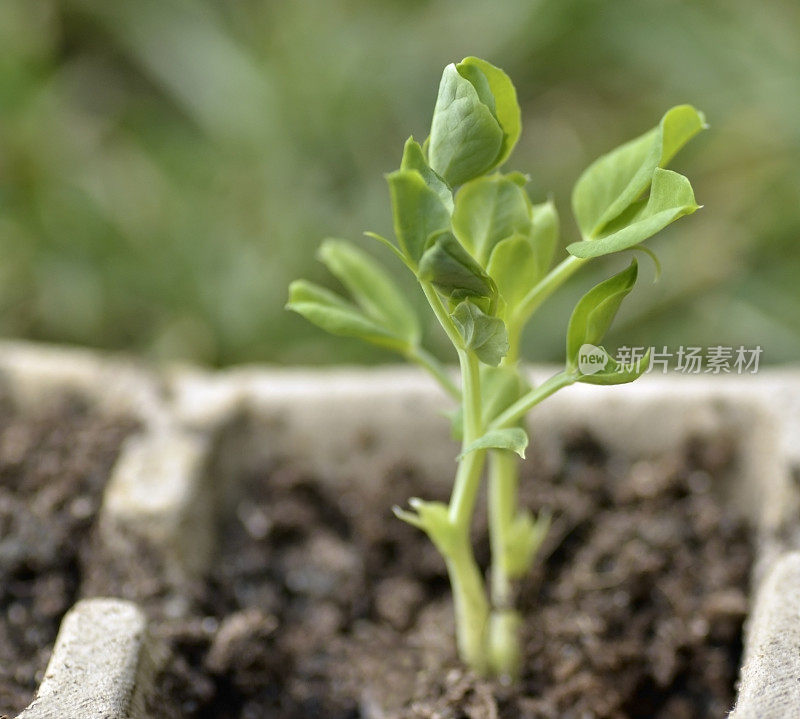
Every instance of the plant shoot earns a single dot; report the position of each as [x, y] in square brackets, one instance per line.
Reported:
[482, 252]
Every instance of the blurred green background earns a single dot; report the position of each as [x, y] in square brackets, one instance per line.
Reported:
[168, 166]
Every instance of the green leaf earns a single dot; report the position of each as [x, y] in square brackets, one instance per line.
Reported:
[488, 210]
[480, 82]
[433, 519]
[510, 438]
[339, 317]
[514, 268]
[466, 139]
[595, 311]
[414, 159]
[453, 271]
[506, 106]
[525, 537]
[418, 212]
[671, 197]
[544, 235]
[486, 336]
[518, 262]
[614, 373]
[373, 289]
[616, 180]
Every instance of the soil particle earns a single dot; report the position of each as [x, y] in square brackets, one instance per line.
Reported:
[53, 467]
[322, 606]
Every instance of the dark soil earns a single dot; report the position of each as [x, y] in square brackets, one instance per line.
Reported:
[323, 605]
[53, 468]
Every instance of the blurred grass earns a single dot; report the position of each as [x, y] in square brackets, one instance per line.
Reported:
[168, 166]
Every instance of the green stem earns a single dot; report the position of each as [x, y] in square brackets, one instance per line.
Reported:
[502, 496]
[531, 399]
[469, 593]
[503, 638]
[546, 286]
[470, 605]
[468, 476]
[428, 362]
[487, 642]
[442, 314]
[503, 628]
[503, 635]
[503, 482]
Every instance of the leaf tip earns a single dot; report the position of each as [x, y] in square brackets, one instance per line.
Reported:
[294, 285]
[407, 517]
[579, 249]
[324, 249]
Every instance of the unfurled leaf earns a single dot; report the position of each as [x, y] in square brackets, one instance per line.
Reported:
[616, 373]
[452, 270]
[544, 235]
[514, 268]
[488, 210]
[525, 536]
[518, 262]
[671, 197]
[433, 519]
[616, 180]
[339, 317]
[414, 159]
[596, 310]
[372, 289]
[506, 106]
[486, 336]
[466, 139]
[514, 439]
[418, 212]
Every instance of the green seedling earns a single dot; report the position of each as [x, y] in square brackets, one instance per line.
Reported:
[482, 252]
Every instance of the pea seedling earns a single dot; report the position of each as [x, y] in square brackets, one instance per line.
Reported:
[482, 252]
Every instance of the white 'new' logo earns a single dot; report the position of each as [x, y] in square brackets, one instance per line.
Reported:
[591, 359]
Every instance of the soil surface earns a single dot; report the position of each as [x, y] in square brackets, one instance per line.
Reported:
[323, 605]
[53, 467]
